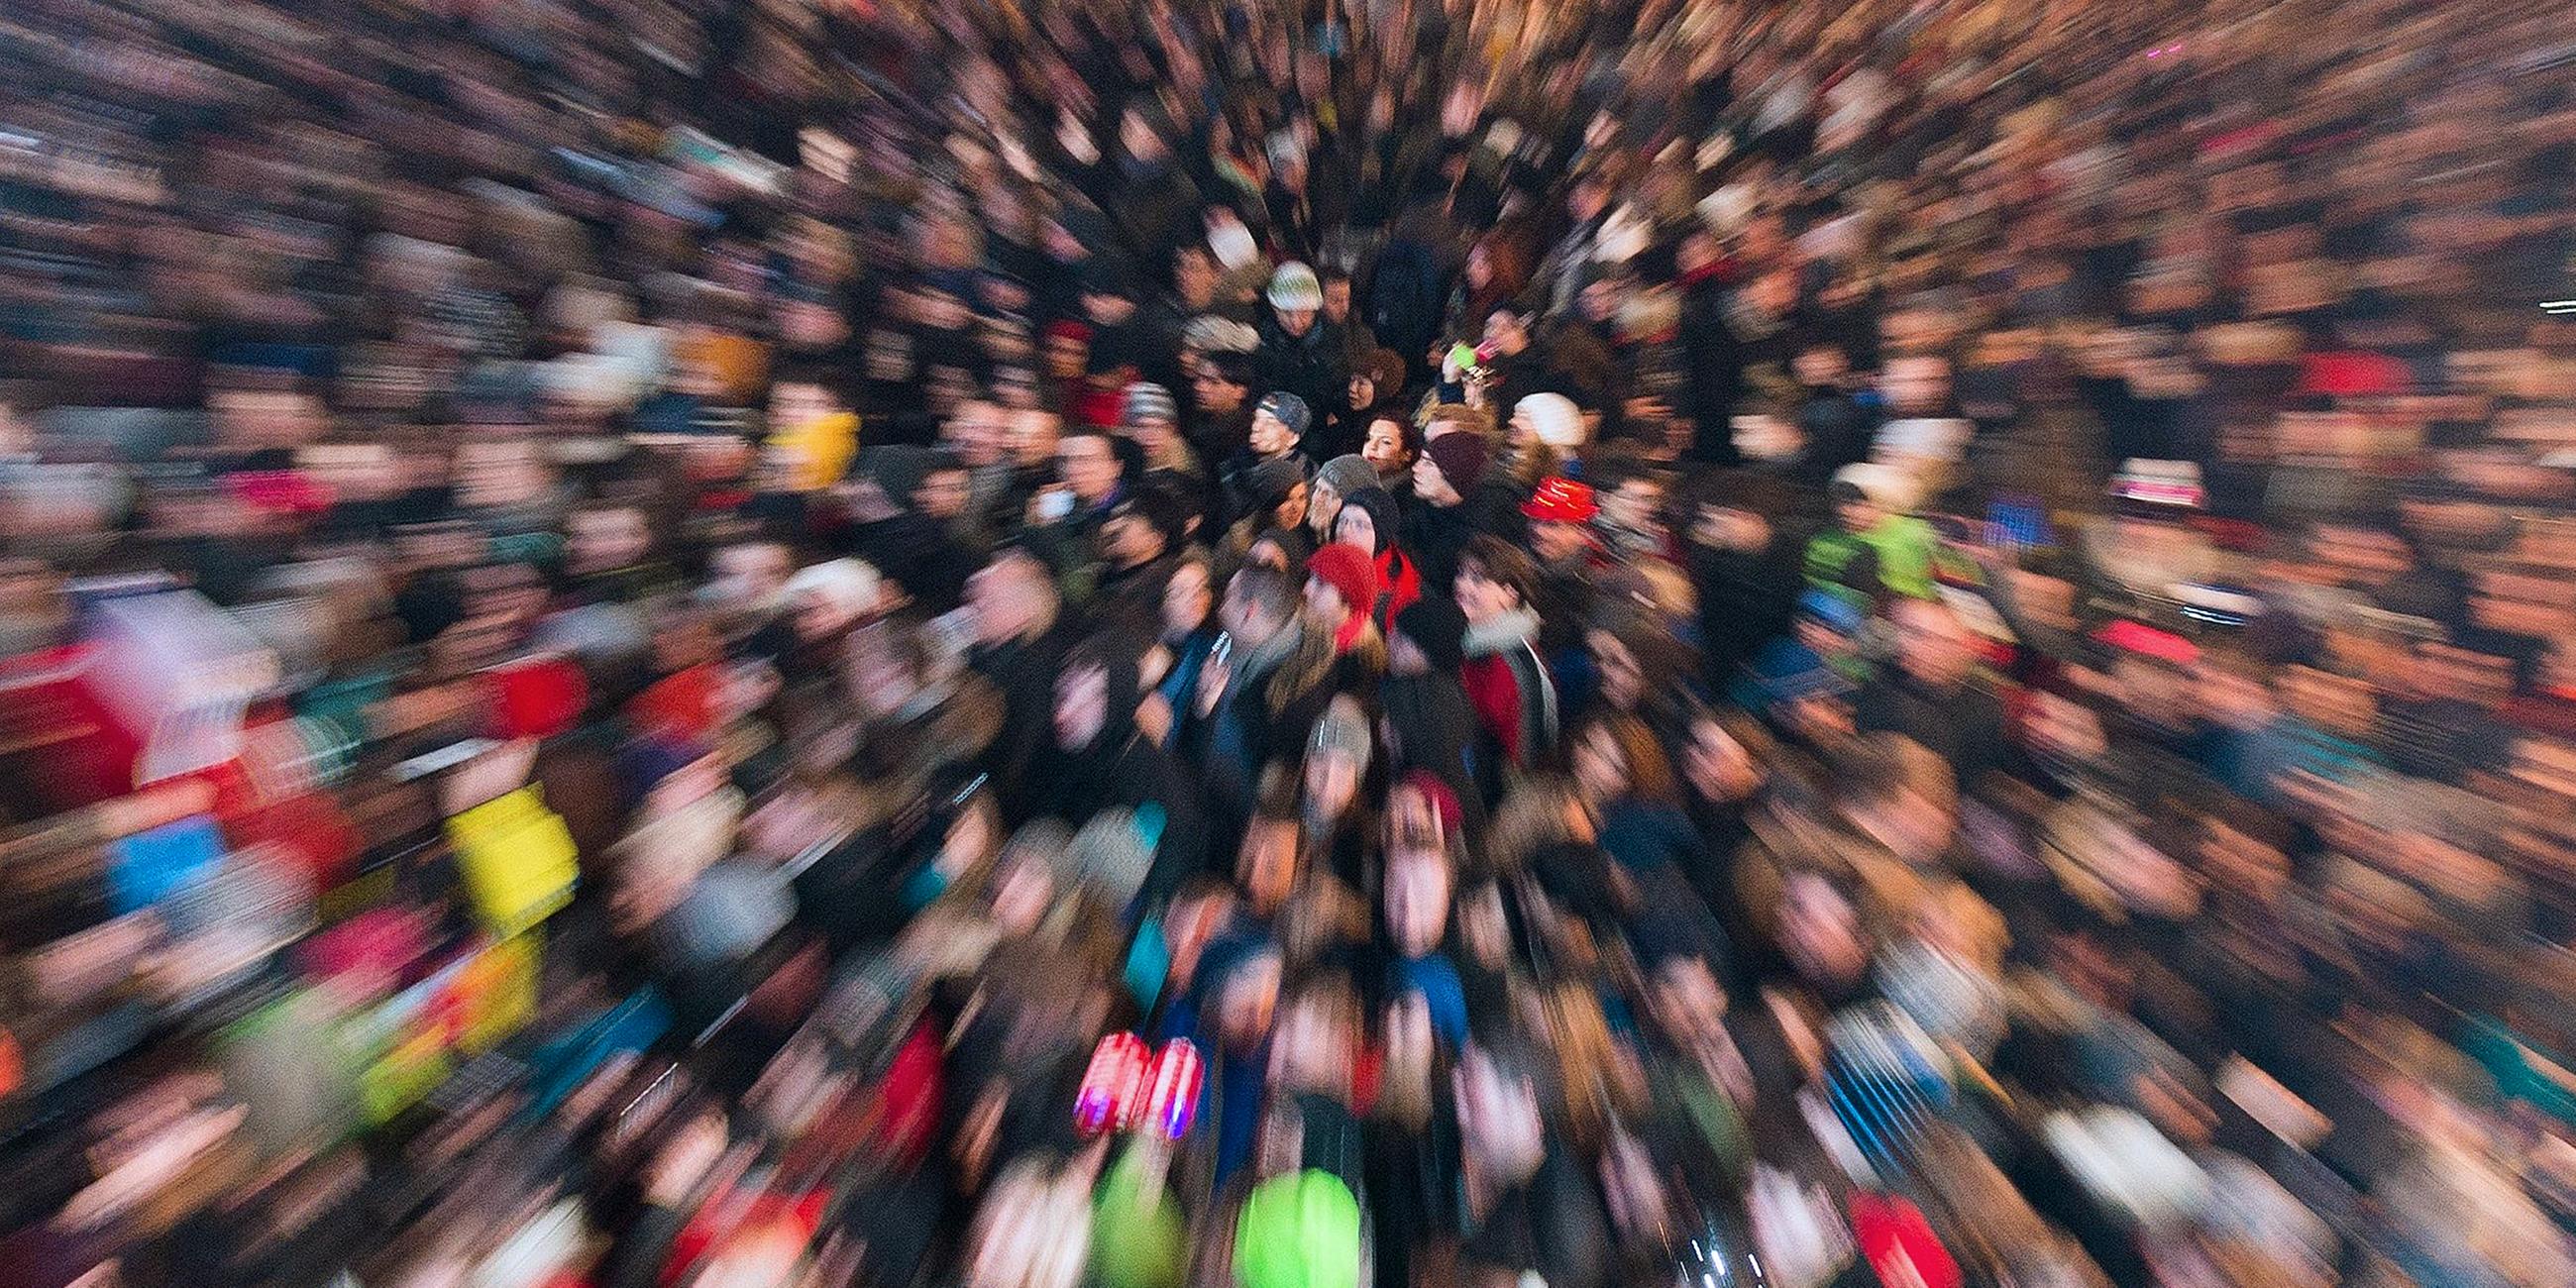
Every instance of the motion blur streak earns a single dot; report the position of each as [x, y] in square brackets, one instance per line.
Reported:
[1266, 643]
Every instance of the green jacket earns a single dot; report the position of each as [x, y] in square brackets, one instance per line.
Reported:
[1894, 557]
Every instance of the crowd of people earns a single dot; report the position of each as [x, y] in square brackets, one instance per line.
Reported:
[1245, 645]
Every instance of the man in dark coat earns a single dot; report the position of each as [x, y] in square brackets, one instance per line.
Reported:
[1095, 759]
[1300, 351]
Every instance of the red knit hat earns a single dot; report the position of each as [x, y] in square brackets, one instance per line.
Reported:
[1444, 802]
[1350, 572]
[1561, 500]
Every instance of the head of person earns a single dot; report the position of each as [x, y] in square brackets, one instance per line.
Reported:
[1391, 447]
[1684, 996]
[1150, 416]
[1589, 196]
[1340, 583]
[1901, 794]
[1012, 598]
[1189, 598]
[890, 662]
[1429, 638]
[1864, 494]
[1821, 932]
[1259, 603]
[1507, 331]
[1243, 991]
[1603, 297]
[1560, 516]
[1736, 518]
[1081, 701]
[1495, 1088]
[803, 398]
[1279, 423]
[828, 598]
[1086, 461]
[1635, 654]
[1338, 478]
[1494, 578]
[1916, 384]
[1631, 497]
[1337, 296]
[1033, 436]
[1367, 521]
[1068, 349]
[1337, 760]
[602, 536]
[1195, 278]
[749, 575]
[1449, 418]
[1288, 504]
[1934, 647]
[1222, 383]
[1616, 757]
[1726, 759]
[1266, 867]
[1108, 292]
[1143, 527]
[1549, 420]
[1296, 297]
[978, 431]
[1450, 467]
[1317, 1034]
[1377, 377]
[1821, 365]
[946, 488]
[1416, 891]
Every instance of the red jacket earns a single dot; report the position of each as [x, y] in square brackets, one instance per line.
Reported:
[1403, 585]
[1508, 687]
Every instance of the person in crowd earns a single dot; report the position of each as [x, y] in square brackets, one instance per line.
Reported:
[1359, 343]
[1376, 388]
[1392, 446]
[1221, 406]
[1506, 678]
[1876, 550]
[656, 645]
[1278, 432]
[1457, 498]
[1302, 353]
[1368, 522]
[1336, 479]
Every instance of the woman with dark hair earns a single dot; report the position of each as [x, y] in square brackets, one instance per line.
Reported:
[1368, 522]
[1641, 668]
[1392, 444]
[1624, 778]
[1376, 389]
[1098, 759]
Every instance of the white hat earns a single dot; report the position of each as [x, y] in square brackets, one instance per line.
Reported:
[850, 585]
[1294, 287]
[1886, 486]
[1940, 438]
[1233, 244]
[1554, 417]
[1212, 334]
